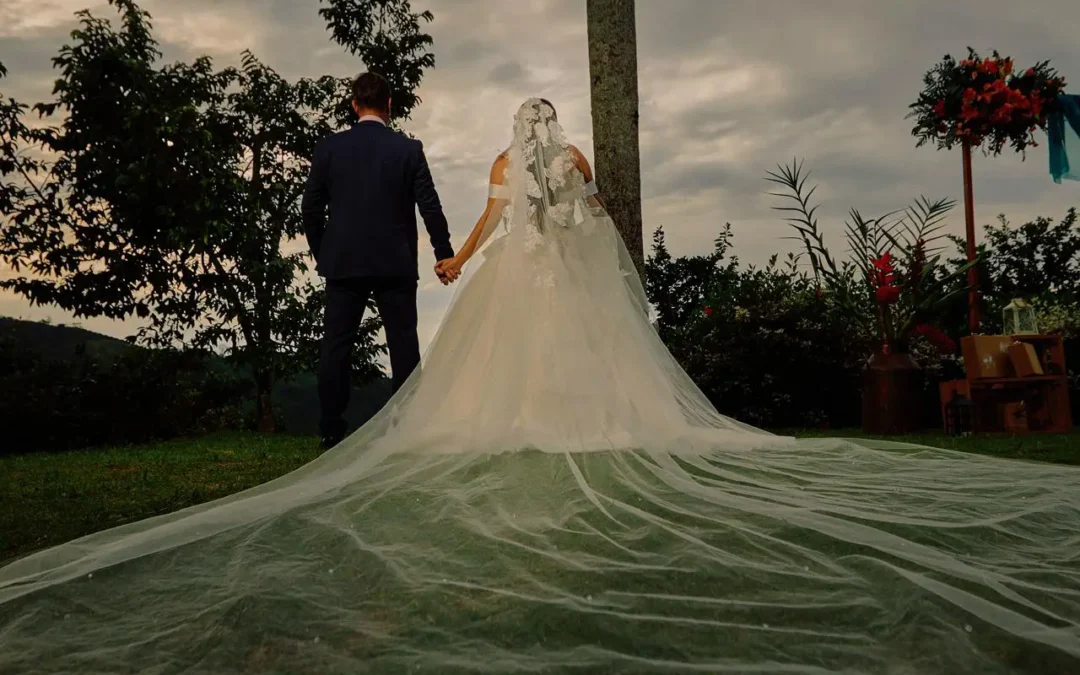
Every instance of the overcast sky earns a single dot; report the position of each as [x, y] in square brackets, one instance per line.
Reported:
[729, 89]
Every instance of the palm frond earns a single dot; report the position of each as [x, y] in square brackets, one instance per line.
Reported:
[924, 220]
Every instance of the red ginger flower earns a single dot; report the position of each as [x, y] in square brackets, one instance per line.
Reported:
[883, 279]
[887, 295]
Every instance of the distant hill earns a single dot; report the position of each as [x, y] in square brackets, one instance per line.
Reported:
[58, 342]
[297, 399]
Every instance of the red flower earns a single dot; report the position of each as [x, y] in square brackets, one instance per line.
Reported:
[884, 270]
[883, 279]
[969, 95]
[887, 295]
[1036, 106]
[990, 67]
[1003, 115]
[936, 337]
[708, 311]
[1030, 72]
[884, 262]
[939, 108]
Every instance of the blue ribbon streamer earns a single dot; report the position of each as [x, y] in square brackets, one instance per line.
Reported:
[1063, 130]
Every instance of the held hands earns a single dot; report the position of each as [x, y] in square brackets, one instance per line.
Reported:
[448, 270]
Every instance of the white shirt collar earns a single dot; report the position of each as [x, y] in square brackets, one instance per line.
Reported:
[372, 118]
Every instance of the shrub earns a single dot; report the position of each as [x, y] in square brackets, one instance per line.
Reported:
[144, 395]
[765, 345]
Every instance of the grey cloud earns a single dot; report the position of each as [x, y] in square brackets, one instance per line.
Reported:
[506, 72]
[728, 90]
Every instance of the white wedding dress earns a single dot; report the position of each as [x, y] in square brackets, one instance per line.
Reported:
[551, 493]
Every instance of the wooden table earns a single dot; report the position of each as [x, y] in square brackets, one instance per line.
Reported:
[1037, 403]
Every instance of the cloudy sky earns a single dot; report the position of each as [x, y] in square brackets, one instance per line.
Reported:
[729, 89]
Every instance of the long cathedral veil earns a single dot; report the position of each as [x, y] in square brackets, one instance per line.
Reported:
[551, 493]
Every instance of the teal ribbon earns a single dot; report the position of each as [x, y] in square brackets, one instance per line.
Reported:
[1063, 130]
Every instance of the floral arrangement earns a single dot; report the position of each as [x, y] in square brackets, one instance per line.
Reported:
[890, 288]
[894, 282]
[985, 102]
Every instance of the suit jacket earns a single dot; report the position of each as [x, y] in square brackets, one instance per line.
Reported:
[373, 179]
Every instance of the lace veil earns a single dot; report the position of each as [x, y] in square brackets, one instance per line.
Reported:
[544, 193]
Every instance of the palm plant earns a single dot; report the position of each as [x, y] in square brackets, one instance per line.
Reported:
[893, 281]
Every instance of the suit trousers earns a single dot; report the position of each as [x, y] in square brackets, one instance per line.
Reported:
[346, 299]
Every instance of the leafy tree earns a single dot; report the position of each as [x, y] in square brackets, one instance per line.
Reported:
[1039, 261]
[170, 193]
[386, 35]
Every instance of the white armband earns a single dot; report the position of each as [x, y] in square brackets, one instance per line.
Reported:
[590, 189]
[496, 191]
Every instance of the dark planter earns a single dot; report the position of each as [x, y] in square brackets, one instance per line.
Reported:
[892, 394]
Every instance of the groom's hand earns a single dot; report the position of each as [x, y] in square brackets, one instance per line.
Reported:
[447, 270]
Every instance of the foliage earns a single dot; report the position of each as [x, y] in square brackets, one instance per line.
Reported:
[144, 395]
[983, 100]
[169, 193]
[765, 345]
[893, 285]
[386, 35]
[1039, 261]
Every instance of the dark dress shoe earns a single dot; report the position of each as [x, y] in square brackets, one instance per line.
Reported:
[330, 441]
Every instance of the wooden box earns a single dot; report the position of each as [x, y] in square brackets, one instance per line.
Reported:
[986, 356]
[1015, 417]
[1024, 360]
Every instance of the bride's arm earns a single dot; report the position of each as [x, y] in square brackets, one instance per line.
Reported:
[586, 170]
[494, 206]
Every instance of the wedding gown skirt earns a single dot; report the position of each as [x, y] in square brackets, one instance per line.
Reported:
[552, 494]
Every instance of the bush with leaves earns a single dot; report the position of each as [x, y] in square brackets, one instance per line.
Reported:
[765, 345]
[1040, 262]
[144, 395]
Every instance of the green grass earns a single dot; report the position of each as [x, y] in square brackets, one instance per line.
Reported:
[47, 499]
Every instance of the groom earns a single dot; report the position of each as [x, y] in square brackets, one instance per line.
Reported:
[373, 179]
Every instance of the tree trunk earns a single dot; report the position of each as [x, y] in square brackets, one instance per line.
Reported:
[260, 278]
[614, 93]
[264, 409]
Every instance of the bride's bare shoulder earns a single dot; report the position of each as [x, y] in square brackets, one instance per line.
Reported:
[498, 167]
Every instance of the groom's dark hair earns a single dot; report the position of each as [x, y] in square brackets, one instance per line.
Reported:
[371, 91]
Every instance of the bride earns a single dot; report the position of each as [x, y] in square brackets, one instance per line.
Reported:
[551, 493]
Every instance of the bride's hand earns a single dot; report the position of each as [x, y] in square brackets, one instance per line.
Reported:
[449, 269]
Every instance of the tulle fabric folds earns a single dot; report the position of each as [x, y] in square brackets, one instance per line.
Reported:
[551, 493]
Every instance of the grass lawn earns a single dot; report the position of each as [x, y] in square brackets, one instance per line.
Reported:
[47, 499]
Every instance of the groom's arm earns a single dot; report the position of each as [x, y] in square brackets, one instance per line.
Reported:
[427, 201]
[316, 198]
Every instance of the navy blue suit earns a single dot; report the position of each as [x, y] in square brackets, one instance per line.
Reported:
[372, 180]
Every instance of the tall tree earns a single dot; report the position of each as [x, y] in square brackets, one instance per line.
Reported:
[168, 193]
[613, 72]
[386, 35]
